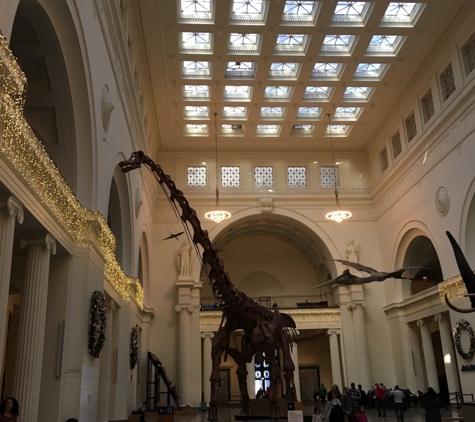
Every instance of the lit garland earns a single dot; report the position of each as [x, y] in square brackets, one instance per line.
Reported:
[453, 287]
[29, 159]
[462, 324]
[97, 324]
[134, 347]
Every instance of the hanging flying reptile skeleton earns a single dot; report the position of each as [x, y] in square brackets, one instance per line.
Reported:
[264, 331]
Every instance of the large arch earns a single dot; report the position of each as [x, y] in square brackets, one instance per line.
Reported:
[467, 224]
[143, 271]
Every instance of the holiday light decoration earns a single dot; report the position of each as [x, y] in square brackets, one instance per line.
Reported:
[97, 324]
[28, 159]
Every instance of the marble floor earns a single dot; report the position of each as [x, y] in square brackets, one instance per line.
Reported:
[226, 414]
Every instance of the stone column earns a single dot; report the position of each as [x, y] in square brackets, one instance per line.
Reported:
[335, 356]
[194, 391]
[29, 363]
[448, 351]
[184, 323]
[105, 367]
[295, 359]
[251, 379]
[10, 210]
[429, 358]
[361, 343]
[207, 363]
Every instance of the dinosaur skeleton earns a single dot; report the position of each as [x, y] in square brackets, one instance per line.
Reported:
[264, 331]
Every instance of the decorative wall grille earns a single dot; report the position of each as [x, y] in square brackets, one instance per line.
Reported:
[383, 155]
[263, 177]
[411, 127]
[328, 175]
[428, 104]
[470, 51]
[196, 176]
[297, 177]
[448, 81]
[230, 177]
[397, 146]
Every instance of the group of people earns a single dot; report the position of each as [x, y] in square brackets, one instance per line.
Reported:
[10, 411]
[351, 405]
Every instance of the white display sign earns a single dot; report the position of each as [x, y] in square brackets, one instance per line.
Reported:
[295, 415]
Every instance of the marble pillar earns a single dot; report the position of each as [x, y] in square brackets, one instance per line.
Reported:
[335, 357]
[105, 367]
[207, 363]
[295, 359]
[361, 344]
[10, 210]
[194, 391]
[184, 355]
[450, 361]
[29, 363]
[429, 358]
[251, 378]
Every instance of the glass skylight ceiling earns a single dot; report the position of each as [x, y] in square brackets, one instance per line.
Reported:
[282, 74]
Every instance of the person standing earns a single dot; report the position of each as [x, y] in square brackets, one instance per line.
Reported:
[380, 400]
[355, 395]
[322, 393]
[361, 415]
[333, 410]
[398, 403]
[9, 410]
[432, 405]
[317, 416]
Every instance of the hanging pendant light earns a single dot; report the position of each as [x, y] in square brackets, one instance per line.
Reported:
[338, 215]
[217, 215]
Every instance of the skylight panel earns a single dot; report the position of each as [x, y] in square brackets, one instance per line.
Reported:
[347, 113]
[196, 11]
[232, 129]
[291, 44]
[196, 112]
[244, 43]
[196, 129]
[317, 93]
[309, 113]
[402, 14]
[338, 130]
[300, 12]
[338, 45]
[280, 70]
[249, 12]
[235, 112]
[196, 42]
[302, 130]
[237, 92]
[195, 70]
[370, 71]
[327, 71]
[384, 45]
[278, 93]
[272, 112]
[240, 70]
[351, 13]
[196, 92]
[267, 130]
[357, 93]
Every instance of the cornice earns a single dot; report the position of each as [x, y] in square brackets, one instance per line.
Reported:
[260, 150]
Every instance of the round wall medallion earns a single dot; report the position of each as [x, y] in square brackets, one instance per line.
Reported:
[464, 325]
[442, 201]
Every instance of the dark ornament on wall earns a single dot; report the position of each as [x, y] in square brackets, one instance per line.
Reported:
[464, 325]
[97, 324]
[134, 347]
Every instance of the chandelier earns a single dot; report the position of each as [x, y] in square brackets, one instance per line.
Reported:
[217, 215]
[338, 215]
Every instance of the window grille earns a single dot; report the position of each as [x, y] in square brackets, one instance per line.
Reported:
[470, 53]
[328, 176]
[383, 155]
[411, 127]
[263, 177]
[297, 177]
[230, 177]
[397, 146]
[448, 81]
[428, 105]
[196, 177]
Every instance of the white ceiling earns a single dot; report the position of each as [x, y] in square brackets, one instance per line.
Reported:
[164, 26]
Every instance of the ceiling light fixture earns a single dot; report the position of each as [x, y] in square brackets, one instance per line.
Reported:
[217, 215]
[338, 215]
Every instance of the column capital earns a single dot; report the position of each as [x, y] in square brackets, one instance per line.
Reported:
[47, 241]
[438, 318]
[420, 322]
[336, 331]
[205, 334]
[189, 308]
[354, 304]
[14, 207]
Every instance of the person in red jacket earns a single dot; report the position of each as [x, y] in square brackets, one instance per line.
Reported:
[380, 400]
[361, 415]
